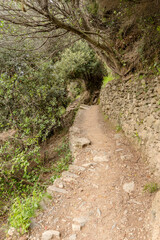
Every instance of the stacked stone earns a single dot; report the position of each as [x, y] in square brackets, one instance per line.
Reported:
[135, 106]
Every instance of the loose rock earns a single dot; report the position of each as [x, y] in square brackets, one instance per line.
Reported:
[69, 174]
[50, 234]
[72, 237]
[76, 227]
[76, 168]
[82, 221]
[52, 189]
[82, 142]
[101, 159]
[128, 187]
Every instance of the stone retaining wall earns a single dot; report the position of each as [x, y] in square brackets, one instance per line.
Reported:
[134, 106]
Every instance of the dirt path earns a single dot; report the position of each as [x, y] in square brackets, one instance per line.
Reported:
[103, 198]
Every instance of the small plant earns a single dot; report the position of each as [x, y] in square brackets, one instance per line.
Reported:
[106, 117]
[107, 79]
[22, 210]
[98, 101]
[65, 158]
[158, 29]
[137, 136]
[118, 128]
[151, 187]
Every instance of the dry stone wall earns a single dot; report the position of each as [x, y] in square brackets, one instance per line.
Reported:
[134, 105]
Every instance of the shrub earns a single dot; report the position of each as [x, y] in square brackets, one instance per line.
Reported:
[80, 61]
[22, 210]
[32, 103]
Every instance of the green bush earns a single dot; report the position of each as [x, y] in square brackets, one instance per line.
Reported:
[80, 61]
[22, 210]
[33, 99]
[32, 103]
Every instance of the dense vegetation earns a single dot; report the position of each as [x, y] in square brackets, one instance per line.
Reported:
[34, 98]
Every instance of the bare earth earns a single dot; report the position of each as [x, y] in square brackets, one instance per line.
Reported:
[104, 200]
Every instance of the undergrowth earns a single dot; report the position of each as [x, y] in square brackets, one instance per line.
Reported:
[26, 194]
[23, 209]
[34, 97]
[64, 159]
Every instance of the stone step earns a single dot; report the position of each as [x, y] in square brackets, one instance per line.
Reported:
[69, 174]
[68, 179]
[101, 159]
[76, 168]
[52, 189]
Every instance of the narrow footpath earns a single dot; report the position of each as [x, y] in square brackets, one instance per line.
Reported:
[101, 197]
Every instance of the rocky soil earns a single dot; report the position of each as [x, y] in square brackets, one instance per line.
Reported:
[101, 197]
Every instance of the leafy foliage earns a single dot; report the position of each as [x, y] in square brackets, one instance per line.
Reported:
[32, 102]
[81, 62]
[33, 99]
[22, 210]
[107, 79]
[65, 157]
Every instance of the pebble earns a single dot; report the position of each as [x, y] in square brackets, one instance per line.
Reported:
[98, 212]
[81, 220]
[69, 174]
[125, 157]
[50, 234]
[76, 227]
[119, 150]
[88, 165]
[107, 167]
[128, 187]
[114, 225]
[76, 168]
[73, 237]
[101, 159]
[61, 185]
[125, 212]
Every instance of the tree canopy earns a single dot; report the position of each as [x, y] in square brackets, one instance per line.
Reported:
[102, 24]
